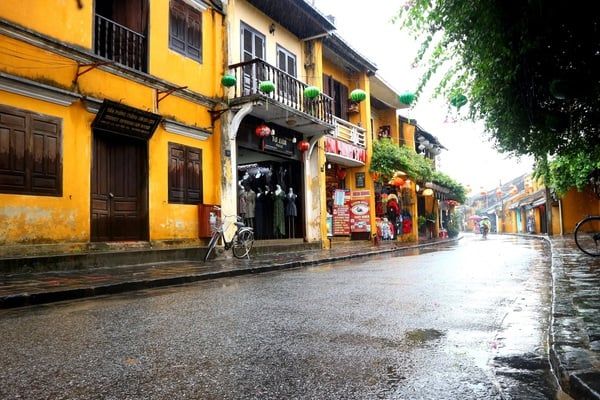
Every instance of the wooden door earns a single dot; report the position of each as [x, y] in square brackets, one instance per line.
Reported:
[119, 189]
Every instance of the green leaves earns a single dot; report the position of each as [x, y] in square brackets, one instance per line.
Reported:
[388, 158]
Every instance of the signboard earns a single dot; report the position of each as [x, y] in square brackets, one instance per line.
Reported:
[360, 211]
[341, 213]
[124, 120]
[279, 144]
[359, 179]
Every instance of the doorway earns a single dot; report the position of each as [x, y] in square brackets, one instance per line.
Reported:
[119, 189]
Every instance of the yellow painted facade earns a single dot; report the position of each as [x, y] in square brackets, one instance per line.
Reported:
[28, 219]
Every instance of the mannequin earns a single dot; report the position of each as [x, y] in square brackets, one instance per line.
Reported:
[268, 215]
[250, 206]
[291, 212]
[259, 214]
[242, 207]
[278, 213]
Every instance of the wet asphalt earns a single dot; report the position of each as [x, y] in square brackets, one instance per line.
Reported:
[466, 320]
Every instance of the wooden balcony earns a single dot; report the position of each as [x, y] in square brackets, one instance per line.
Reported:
[286, 104]
[120, 44]
[348, 132]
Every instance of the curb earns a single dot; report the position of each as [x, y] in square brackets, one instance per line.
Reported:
[28, 299]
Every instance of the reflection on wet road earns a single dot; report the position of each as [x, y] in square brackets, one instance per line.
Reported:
[466, 321]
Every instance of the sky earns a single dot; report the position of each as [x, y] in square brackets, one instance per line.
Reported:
[470, 158]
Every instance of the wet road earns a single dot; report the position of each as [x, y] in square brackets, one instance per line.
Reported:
[467, 321]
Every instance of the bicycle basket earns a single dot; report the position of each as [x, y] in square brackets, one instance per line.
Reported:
[216, 225]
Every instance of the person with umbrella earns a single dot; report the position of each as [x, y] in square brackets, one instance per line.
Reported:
[485, 226]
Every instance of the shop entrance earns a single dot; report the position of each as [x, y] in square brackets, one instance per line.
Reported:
[270, 196]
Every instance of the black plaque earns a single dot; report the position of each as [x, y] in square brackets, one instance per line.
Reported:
[125, 120]
[359, 179]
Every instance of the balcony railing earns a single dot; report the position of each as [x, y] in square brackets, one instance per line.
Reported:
[120, 44]
[348, 132]
[289, 91]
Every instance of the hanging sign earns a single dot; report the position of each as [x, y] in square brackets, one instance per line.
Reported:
[360, 211]
[279, 144]
[120, 119]
[341, 212]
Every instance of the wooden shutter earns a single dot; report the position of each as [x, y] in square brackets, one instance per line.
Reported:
[194, 34]
[327, 85]
[176, 173]
[185, 174]
[343, 99]
[177, 22]
[194, 175]
[185, 30]
[30, 153]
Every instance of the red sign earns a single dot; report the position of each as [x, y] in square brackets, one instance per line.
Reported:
[360, 211]
[341, 213]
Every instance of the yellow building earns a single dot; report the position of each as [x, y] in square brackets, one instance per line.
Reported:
[105, 121]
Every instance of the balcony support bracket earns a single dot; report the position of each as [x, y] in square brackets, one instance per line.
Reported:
[166, 93]
[88, 67]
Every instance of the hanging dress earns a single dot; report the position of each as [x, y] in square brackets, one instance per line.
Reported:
[278, 214]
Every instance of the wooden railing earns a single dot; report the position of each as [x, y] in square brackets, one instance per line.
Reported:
[348, 132]
[120, 44]
[288, 91]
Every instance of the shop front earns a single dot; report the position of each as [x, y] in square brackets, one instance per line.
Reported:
[394, 208]
[270, 187]
[349, 201]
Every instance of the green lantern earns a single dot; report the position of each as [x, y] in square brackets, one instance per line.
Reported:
[406, 98]
[458, 100]
[266, 87]
[358, 95]
[311, 92]
[228, 80]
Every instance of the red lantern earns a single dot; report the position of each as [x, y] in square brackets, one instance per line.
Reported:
[375, 175]
[262, 131]
[341, 173]
[303, 145]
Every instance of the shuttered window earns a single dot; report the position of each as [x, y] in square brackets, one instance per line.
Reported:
[185, 30]
[30, 153]
[339, 93]
[185, 174]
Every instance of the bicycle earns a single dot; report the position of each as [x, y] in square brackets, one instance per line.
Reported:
[587, 235]
[241, 242]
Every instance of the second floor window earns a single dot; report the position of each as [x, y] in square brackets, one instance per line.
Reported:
[339, 93]
[185, 30]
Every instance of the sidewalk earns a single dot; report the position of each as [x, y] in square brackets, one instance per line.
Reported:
[575, 325]
[22, 289]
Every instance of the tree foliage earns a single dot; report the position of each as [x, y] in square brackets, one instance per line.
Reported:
[458, 191]
[530, 70]
[388, 158]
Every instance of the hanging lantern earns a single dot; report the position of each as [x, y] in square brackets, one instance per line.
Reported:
[303, 145]
[311, 92]
[398, 182]
[375, 175]
[406, 98]
[458, 100]
[341, 173]
[428, 192]
[228, 80]
[262, 131]
[266, 87]
[358, 95]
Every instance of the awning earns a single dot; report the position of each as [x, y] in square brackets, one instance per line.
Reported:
[539, 202]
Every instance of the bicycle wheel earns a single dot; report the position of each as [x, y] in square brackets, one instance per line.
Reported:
[587, 236]
[242, 243]
[211, 245]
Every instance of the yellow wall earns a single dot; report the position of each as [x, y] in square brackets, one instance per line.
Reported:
[60, 19]
[44, 219]
[241, 11]
[48, 219]
[576, 205]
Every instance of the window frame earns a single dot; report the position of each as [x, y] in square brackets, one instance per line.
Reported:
[189, 195]
[33, 167]
[182, 45]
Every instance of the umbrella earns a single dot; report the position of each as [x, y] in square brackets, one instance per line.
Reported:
[474, 217]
